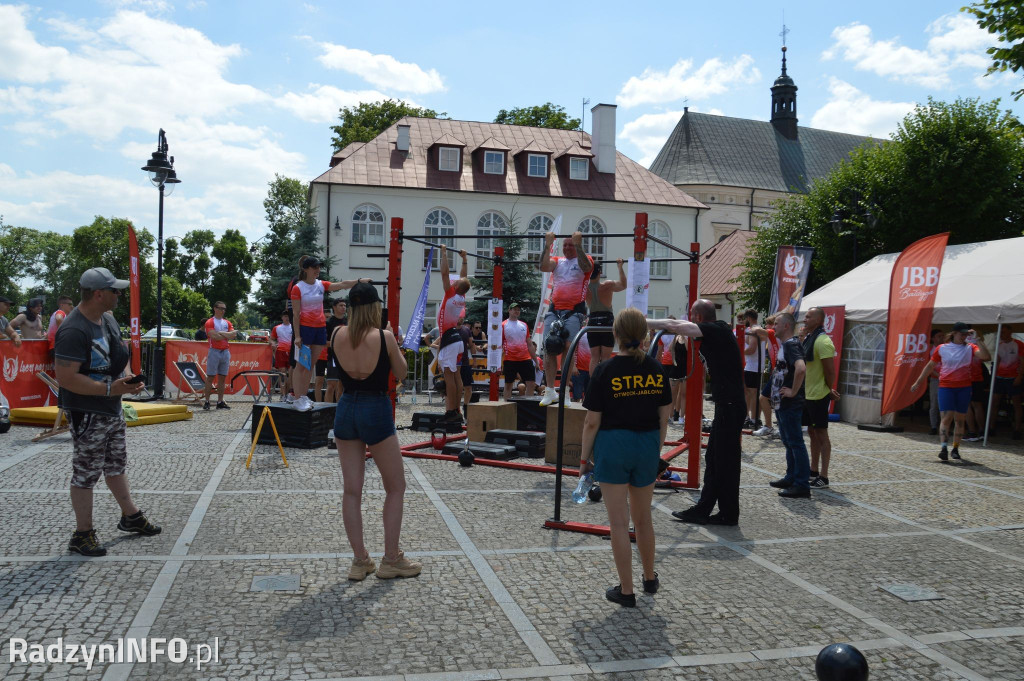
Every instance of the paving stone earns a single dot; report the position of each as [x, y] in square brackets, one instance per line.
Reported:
[997, 658]
[146, 469]
[939, 505]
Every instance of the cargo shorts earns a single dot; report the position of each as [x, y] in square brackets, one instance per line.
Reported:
[100, 447]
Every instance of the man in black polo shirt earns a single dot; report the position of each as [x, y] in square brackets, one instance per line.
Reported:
[721, 356]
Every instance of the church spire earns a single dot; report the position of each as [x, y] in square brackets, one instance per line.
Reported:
[784, 98]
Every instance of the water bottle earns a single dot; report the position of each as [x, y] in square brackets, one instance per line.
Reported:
[579, 495]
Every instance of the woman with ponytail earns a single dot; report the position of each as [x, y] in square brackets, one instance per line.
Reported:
[628, 403]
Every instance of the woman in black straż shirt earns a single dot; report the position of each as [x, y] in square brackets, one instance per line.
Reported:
[366, 357]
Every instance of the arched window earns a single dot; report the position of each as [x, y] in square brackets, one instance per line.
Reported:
[539, 224]
[440, 223]
[863, 361]
[490, 224]
[661, 270]
[368, 225]
[593, 245]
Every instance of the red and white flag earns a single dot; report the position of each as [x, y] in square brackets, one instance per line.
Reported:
[835, 326]
[912, 289]
[134, 300]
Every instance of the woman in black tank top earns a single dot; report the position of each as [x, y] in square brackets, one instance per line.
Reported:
[365, 420]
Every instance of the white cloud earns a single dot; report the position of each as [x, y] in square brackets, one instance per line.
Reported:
[956, 42]
[322, 103]
[712, 78]
[21, 57]
[852, 111]
[649, 132]
[381, 70]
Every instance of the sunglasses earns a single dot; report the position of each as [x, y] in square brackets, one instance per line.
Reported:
[113, 290]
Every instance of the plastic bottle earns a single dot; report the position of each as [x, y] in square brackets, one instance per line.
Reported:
[579, 495]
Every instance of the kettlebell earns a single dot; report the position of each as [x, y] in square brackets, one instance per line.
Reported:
[595, 493]
[438, 439]
[466, 458]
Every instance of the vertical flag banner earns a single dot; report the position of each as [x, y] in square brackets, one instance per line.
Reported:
[912, 289]
[135, 300]
[412, 336]
[546, 284]
[835, 327]
[638, 284]
[792, 267]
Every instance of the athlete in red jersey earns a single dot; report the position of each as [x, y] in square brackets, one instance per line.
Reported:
[1009, 377]
[449, 315]
[519, 354]
[64, 307]
[569, 276]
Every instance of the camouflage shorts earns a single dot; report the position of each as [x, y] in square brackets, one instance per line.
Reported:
[99, 447]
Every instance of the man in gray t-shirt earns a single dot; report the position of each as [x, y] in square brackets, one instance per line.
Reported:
[90, 363]
[5, 326]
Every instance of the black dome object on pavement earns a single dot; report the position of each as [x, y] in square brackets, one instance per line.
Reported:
[841, 662]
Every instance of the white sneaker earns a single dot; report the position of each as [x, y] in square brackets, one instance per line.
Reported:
[762, 431]
[304, 404]
[289, 398]
[550, 397]
[681, 421]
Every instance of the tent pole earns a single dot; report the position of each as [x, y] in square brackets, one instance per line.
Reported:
[992, 386]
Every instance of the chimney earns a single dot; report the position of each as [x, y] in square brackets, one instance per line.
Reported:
[402, 144]
[602, 119]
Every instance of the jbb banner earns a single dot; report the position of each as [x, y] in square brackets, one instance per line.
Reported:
[244, 357]
[20, 385]
[912, 289]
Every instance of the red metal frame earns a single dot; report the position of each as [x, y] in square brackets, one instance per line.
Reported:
[394, 294]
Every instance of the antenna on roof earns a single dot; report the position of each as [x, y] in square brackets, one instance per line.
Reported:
[583, 115]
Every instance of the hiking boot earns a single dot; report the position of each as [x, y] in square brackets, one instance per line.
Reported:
[84, 543]
[223, 405]
[206, 405]
[615, 595]
[138, 523]
[399, 567]
[651, 585]
[955, 453]
[360, 568]
[944, 453]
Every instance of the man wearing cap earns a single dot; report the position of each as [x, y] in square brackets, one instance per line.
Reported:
[218, 358]
[518, 354]
[569, 278]
[5, 326]
[90, 361]
[953, 360]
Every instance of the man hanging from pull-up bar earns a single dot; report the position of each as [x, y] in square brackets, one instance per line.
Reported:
[451, 311]
[569, 278]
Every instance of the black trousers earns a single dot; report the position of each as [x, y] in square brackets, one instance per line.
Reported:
[722, 462]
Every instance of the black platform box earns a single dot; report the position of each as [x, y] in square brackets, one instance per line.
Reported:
[482, 450]
[527, 443]
[529, 414]
[301, 429]
[428, 422]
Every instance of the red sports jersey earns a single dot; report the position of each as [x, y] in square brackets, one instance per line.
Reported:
[569, 283]
[1009, 356]
[282, 333]
[954, 364]
[515, 340]
[452, 309]
[214, 324]
[51, 330]
[666, 354]
[583, 354]
[311, 302]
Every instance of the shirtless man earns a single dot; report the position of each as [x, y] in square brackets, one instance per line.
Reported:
[599, 300]
[30, 322]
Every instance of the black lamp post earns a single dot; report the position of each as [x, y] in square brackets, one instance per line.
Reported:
[838, 223]
[162, 175]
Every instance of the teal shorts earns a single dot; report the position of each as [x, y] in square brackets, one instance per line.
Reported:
[627, 457]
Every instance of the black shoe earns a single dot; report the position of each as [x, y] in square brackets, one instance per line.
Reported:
[138, 523]
[206, 405]
[691, 516]
[819, 483]
[933, 431]
[795, 492]
[717, 519]
[223, 405]
[84, 543]
[615, 595]
[675, 416]
[812, 475]
[781, 483]
[944, 453]
[955, 454]
[651, 585]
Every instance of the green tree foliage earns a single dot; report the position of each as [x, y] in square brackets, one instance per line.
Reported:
[182, 306]
[1005, 20]
[216, 268]
[236, 266]
[16, 245]
[544, 116]
[952, 167]
[520, 281]
[195, 270]
[367, 120]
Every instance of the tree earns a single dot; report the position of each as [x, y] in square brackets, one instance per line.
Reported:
[544, 116]
[104, 243]
[520, 283]
[1005, 20]
[15, 243]
[182, 306]
[367, 120]
[952, 167]
[194, 270]
[236, 266]
[53, 268]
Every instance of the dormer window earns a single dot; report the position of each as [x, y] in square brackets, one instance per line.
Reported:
[579, 169]
[537, 165]
[494, 162]
[448, 159]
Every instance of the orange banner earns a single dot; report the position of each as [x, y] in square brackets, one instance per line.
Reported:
[20, 385]
[912, 289]
[135, 304]
[244, 357]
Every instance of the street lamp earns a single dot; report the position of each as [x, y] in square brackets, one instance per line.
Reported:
[162, 175]
[839, 222]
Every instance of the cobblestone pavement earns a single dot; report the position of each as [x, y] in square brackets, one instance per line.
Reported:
[500, 597]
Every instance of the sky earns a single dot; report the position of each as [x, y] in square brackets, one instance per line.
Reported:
[245, 90]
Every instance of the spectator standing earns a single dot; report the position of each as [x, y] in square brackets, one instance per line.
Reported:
[765, 402]
[338, 318]
[981, 382]
[819, 390]
[754, 360]
[787, 398]
[680, 359]
[30, 322]
[628, 405]
[1009, 377]
[219, 331]
[5, 325]
[479, 337]
[518, 352]
[938, 337]
[64, 307]
[90, 362]
[581, 368]
[599, 303]
[281, 342]
[721, 355]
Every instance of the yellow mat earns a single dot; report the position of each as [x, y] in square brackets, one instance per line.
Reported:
[148, 413]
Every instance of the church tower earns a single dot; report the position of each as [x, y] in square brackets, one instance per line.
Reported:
[784, 102]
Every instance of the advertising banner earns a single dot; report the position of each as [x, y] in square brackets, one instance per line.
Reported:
[912, 288]
[135, 300]
[835, 327]
[412, 337]
[545, 292]
[638, 284]
[244, 357]
[19, 383]
[792, 267]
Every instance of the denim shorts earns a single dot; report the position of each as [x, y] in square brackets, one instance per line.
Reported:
[364, 416]
[627, 456]
[218, 362]
[314, 335]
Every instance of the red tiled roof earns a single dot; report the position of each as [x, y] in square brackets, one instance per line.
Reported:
[722, 263]
[379, 164]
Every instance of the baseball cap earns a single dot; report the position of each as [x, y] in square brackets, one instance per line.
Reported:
[961, 327]
[514, 304]
[98, 278]
[362, 294]
[5, 299]
[312, 261]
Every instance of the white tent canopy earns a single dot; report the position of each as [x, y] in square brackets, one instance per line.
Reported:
[980, 283]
